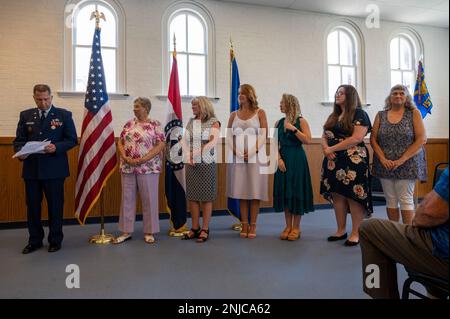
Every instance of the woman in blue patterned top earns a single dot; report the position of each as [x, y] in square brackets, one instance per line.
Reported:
[397, 139]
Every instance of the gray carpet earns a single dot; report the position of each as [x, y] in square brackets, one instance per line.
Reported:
[226, 266]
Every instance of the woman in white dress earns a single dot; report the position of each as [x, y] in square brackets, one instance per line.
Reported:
[246, 178]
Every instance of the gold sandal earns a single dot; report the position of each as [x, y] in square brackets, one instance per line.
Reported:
[294, 234]
[284, 235]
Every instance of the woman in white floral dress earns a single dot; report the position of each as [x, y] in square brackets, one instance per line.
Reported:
[345, 176]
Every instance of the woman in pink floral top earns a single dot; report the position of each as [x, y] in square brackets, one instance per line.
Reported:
[140, 146]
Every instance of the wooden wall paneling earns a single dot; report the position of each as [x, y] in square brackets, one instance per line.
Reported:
[12, 190]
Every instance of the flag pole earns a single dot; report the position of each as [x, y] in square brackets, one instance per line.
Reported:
[236, 226]
[101, 238]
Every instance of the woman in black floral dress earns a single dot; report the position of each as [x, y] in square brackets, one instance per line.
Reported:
[345, 177]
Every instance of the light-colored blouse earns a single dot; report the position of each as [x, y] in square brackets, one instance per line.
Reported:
[138, 139]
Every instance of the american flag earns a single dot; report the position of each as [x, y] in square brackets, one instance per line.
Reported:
[97, 154]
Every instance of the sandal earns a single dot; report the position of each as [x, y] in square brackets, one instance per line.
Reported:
[252, 234]
[149, 238]
[244, 230]
[294, 234]
[122, 238]
[201, 237]
[284, 235]
[193, 233]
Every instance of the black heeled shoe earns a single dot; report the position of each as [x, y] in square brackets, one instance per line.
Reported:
[336, 238]
[192, 234]
[202, 239]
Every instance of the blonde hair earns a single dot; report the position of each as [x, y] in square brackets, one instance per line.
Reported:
[409, 104]
[292, 107]
[205, 107]
[250, 93]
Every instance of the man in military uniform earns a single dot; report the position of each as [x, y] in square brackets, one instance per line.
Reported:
[45, 173]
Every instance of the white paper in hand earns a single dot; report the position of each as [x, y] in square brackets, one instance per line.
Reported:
[33, 147]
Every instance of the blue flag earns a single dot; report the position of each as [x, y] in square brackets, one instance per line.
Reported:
[233, 204]
[421, 94]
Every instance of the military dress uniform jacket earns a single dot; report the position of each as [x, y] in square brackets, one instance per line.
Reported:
[59, 128]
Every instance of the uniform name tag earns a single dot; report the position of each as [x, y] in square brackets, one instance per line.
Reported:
[29, 123]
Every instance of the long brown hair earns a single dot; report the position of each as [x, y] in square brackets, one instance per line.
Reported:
[249, 92]
[352, 102]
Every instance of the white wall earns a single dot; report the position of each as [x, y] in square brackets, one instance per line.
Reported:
[277, 51]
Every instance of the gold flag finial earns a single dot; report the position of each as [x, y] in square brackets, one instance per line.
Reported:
[174, 45]
[97, 15]
[231, 49]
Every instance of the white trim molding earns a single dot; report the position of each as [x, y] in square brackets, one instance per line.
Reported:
[355, 31]
[202, 12]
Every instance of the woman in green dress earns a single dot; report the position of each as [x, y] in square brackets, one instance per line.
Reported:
[292, 190]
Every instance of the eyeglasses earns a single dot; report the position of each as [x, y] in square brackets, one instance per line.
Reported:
[340, 93]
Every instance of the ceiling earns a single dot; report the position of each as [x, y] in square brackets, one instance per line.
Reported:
[425, 12]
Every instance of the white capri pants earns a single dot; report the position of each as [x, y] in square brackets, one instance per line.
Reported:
[399, 191]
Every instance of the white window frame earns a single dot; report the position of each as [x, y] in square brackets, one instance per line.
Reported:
[417, 46]
[356, 35]
[72, 8]
[200, 12]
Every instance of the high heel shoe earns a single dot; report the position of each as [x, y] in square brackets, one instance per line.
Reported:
[252, 234]
[244, 230]
[284, 235]
[294, 234]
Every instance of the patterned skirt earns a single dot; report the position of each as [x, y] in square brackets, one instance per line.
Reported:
[201, 182]
[348, 175]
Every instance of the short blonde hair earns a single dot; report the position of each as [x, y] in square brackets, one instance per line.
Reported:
[292, 106]
[144, 102]
[206, 108]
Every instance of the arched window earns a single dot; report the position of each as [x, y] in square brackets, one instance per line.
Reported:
[193, 28]
[404, 53]
[79, 44]
[342, 59]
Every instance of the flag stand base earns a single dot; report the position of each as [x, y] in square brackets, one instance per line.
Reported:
[178, 232]
[236, 227]
[102, 238]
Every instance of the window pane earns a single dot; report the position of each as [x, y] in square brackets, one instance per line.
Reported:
[182, 72]
[394, 54]
[197, 75]
[178, 27]
[396, 78]
[334, 80]
[109, 65]
[346, 49]
[82, 62]
[348, 76]
[332, 48]
[84, 27]
[409, 81]
[196, 35]
[405, 55]
[108, 27]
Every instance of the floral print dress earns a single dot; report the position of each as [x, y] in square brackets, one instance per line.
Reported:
[348, 174]
[137, 140]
